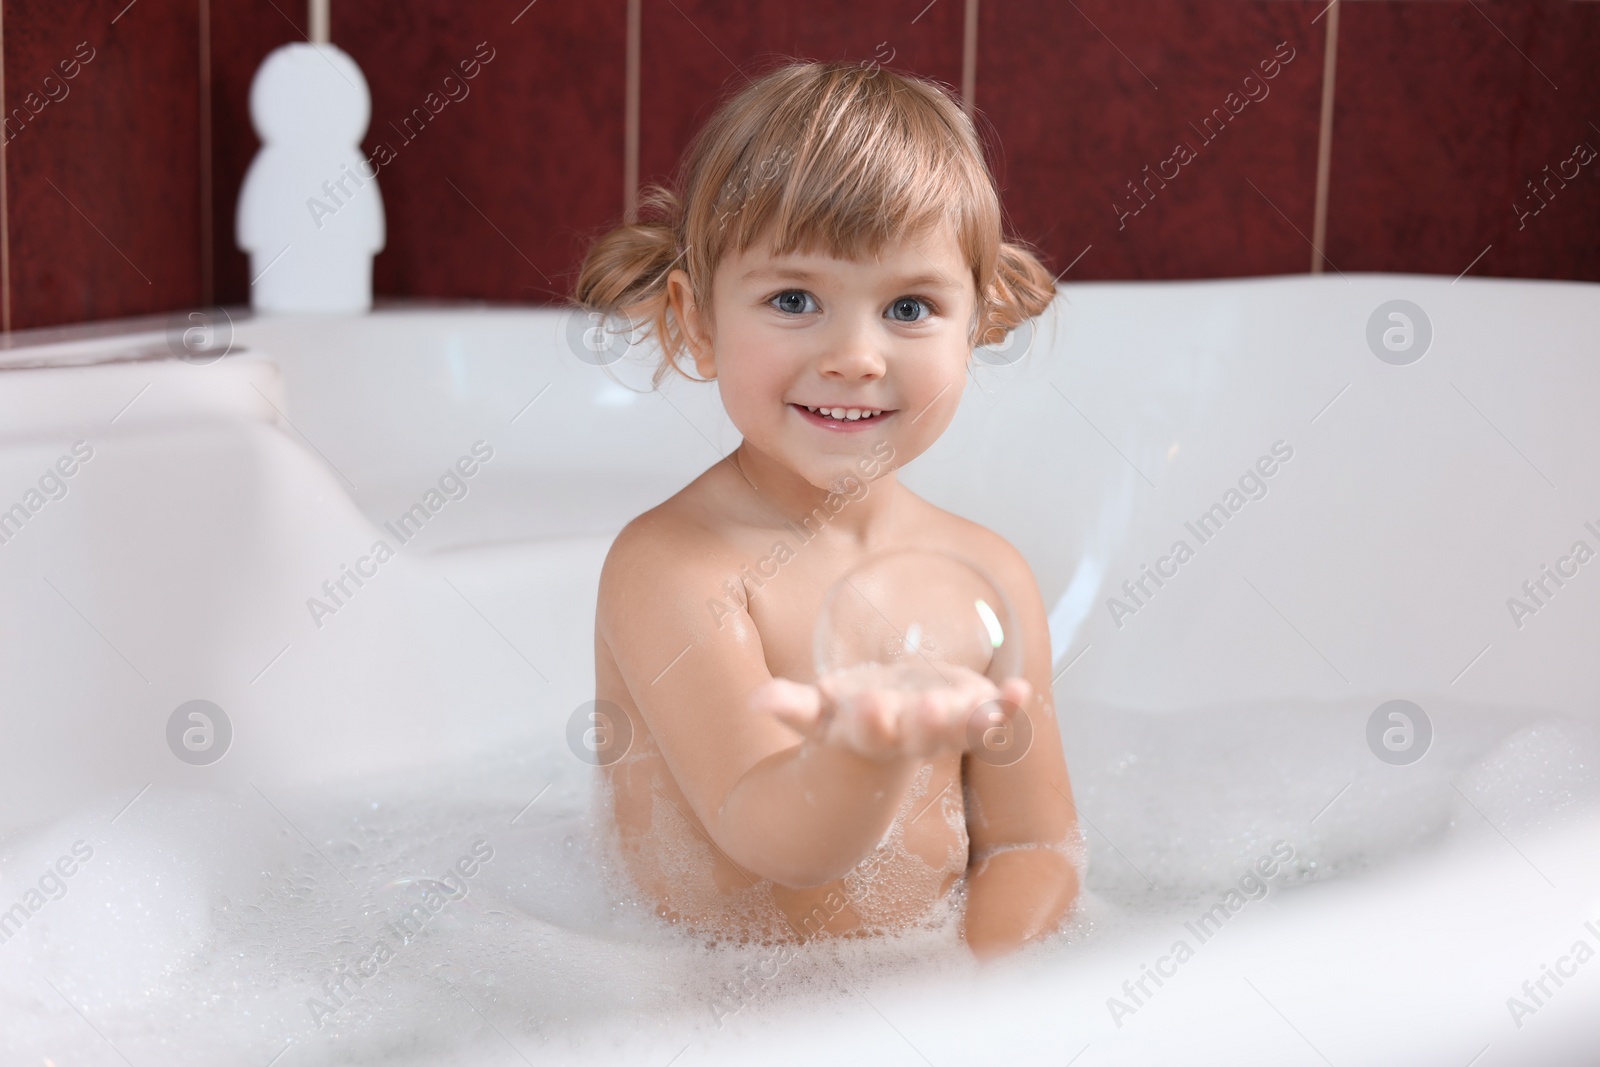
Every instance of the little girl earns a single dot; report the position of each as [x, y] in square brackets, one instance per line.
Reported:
[834, 257]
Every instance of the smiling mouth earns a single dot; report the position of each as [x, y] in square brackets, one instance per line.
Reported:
[843, 417]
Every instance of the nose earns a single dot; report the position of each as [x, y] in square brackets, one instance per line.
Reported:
[854, 351]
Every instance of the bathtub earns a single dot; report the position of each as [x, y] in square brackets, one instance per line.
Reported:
[376, 842]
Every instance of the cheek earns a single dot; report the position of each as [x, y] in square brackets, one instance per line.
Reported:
[936, 378]
[757, 367]
[752, 388]
[745, 401]
[931, 391]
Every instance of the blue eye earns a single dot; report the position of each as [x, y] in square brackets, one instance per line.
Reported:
[786, 301]
[909, 305]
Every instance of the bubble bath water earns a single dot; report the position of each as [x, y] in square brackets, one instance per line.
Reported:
[446, 914]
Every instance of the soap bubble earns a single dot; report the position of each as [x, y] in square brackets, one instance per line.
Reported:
[902, 619]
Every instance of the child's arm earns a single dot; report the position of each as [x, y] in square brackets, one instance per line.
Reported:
[799, 815]
[1017, 893]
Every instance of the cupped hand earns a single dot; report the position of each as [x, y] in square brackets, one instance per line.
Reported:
[890, 712]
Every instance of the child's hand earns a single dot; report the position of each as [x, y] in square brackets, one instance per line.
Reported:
[887, 713]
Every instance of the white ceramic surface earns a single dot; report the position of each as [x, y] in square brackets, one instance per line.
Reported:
[1378, 565]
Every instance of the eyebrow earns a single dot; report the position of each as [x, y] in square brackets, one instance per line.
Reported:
[798, 274]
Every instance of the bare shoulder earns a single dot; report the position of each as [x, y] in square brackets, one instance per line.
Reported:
[989, 550]
[667, 550]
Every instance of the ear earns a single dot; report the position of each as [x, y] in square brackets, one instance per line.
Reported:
[691, 320]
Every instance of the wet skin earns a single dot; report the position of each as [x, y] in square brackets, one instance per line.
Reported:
[742, 807]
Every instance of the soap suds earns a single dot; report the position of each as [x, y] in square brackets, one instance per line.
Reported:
[211, 928]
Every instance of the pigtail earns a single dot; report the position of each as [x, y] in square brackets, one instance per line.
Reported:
[1022, 289]
[624, 275]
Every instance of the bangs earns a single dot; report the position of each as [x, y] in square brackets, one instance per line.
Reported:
[839, 159]
[842, 164]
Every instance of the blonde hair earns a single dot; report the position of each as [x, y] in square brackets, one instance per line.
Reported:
[839, 156]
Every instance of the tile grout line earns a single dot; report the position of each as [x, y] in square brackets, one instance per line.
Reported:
[969, 58]
[1330, 59]
[630, 118]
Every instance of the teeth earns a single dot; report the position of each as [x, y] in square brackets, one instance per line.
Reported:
[845, 414]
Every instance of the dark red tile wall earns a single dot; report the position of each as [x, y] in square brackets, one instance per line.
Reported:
[697, 52]
[118, 203]
[493, 197]
[1141, 81]
[1444, 112]
[102, 184]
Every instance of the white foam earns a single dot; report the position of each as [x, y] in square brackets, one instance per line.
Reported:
[205, 926]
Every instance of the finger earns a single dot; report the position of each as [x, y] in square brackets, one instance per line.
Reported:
[794, 704]
[828, 688]
[946, 713]
[977, 699]
[974, 688]
[1018, 691]
[883, 727]
[964, 702]
[922, 724]
[991, 723]
[868, 723]
[937, 715]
